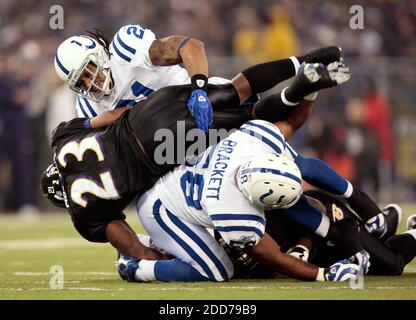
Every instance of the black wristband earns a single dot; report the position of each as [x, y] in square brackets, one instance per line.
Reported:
[199, 81]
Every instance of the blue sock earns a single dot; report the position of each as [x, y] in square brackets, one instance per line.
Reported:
[321, 175]
[176, 270]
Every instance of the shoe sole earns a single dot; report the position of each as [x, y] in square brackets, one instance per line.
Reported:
[409, 220]
[399, 212]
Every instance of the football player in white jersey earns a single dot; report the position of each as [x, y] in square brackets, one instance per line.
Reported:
[227, 189]
[107, 76]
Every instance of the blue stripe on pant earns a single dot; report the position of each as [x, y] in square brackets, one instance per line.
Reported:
[186, 247]
[177, 270]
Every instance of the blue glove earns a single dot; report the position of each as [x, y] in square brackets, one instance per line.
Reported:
[200, 108]
[342, 270]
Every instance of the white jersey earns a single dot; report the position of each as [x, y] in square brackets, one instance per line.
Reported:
[205, 193]
[134, 75]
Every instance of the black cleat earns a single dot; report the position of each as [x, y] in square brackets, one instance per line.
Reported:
[394, 216]
[411, 222]
[312, 77]
[324, 55]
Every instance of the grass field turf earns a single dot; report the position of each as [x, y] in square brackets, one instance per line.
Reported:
[28, 249]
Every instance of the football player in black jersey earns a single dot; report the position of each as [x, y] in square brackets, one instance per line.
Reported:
[388, 255]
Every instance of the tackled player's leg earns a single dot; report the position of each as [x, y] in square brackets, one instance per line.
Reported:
[198, 256]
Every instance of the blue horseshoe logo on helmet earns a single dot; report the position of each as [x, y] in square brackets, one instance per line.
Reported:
[268, 194]
[92, 46]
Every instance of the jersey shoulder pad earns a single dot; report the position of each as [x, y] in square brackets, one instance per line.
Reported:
[86, 108]
[68, 128]
[266, 133]
[131, 45]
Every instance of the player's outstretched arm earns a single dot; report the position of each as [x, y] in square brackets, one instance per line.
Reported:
[124, 239]
[107, 118]
[267, 252]
[178, 49]
[191, 52]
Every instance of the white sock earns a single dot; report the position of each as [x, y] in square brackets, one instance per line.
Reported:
[296, 63]
[285, 101]
[323, 227]
[349, 190]
[146, 271]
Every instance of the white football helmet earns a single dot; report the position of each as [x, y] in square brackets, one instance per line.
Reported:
[74, 58]
[270, 181]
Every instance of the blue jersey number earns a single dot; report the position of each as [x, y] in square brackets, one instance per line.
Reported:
[192, 186]
[137, 32]
[137, 89]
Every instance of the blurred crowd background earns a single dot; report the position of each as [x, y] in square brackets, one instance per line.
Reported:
[366, 129]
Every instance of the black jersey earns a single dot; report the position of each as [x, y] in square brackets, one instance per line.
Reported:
[104, 169]
[101, 172]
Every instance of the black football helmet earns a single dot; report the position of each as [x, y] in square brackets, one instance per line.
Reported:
[51, 186]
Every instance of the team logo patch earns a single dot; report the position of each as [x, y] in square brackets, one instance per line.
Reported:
[200, 83]
[337, 213]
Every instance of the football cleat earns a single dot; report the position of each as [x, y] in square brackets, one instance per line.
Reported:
[312, 77]
[324, 55]
[339, 72]
[377, 226]
[394, 216]
[127, 267]
[411, 222]
[362, 259]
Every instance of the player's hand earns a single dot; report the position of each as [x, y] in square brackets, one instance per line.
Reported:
[198, 103]
[362, 259]
[200, 107]
[342, 270]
